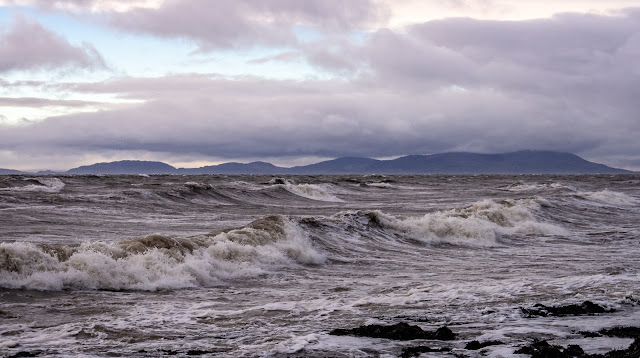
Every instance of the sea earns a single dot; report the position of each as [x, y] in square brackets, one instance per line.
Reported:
[268, 266]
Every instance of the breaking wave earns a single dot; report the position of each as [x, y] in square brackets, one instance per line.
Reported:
[313, 191]
[45, 185]
[319, 192]
[157, 262]
[522, 186]
[609, 197]
[481, 224]
[379, 185]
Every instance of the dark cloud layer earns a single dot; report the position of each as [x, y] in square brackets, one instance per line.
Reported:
[569, 83]
[254, 118]
[28, 45]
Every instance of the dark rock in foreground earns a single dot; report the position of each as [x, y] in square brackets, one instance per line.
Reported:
[622, 332]
[25, 354]
[586, 308]
[542, 349]
[475, 345]
[399, 331]
[416, 351]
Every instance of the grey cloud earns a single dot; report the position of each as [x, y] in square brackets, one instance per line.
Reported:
[569, 83]
[322, 119]
[42, 102]
[29, 45]
[226, 24]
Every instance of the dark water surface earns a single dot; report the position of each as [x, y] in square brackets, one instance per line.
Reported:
[264, 266]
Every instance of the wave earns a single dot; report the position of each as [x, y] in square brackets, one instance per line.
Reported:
[609, 197]
[319, 192]
[522, 186]
[483, 223]
[45, 185]
[379, 185]
[157, 262]
[273, 242]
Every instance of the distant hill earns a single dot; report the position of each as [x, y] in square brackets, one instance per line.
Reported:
[347, 165]
[237, 168]
[522, 162]
[9, 171]
[125, 167]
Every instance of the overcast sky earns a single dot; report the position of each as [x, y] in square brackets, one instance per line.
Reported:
[197, 82]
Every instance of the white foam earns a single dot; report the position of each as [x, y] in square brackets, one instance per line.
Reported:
[379, 185]
[320, 192]
[610, 198]
[49, 185]
[522, 186]
[480, 224]
[199, 261]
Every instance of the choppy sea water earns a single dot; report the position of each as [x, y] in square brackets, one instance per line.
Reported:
[245, 266]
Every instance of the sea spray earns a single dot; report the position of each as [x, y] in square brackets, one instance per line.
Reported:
[156, 262]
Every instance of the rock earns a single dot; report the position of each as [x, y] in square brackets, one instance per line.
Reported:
[399, 331]
[542, 349]
[198, 352]
[416, 351]
[475, 345]
[586, 308]
[444, 334]
[622, 332]
[25, 354]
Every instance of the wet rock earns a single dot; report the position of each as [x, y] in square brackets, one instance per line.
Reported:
[444, 334]
[399, 331]
[475, 345]
[590, 334]
[198, 352]
[417, 350]
[622, 332]
[586, 308]
[25, 354]
[542, 349]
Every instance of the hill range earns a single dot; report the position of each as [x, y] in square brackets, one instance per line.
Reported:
[521, 162]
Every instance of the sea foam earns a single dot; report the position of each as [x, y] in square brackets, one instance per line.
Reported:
[609, 197]
[319, 192]
[156, 262]
[480, 224]
[45, 185]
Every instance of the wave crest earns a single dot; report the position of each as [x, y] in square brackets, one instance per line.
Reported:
[609, 197]
[319, 192]
[45, 185]
[157, 262]
[481, 224]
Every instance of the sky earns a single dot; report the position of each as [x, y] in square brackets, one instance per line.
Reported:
[292, 82]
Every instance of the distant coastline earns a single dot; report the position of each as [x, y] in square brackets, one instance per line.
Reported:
[520, 162]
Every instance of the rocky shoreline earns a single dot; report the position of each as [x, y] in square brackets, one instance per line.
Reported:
[446, 343]
[535, 348]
